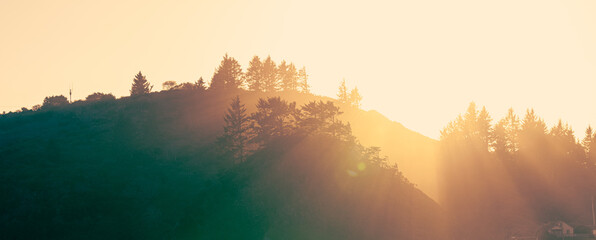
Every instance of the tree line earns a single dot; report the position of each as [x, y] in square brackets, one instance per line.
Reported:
[261, 75]
[514, 170]
[511, 135]
[244, 133]
[352, 98]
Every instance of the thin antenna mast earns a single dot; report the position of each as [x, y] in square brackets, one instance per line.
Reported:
[70, 92]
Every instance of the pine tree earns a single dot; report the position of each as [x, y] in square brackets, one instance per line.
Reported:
[236, 130]
[512, 128]
[200, 84]
[355, 98]
[274, 117]
[288, 76]
[140, 85]
[532, 124]
[484, 128]
[588, 139]
[303, 81]
[562, 136]
[290, 82]
[228, 75]
[282, 70]
[505, 134]
[499, 143]
[342, 94]
[254, 76]
[320, 117]
[589, 144]
[472, 130]
[269, 73]
[470, 119]
[532, 135]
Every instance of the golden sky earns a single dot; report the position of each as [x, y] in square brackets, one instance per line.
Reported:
[418, 62]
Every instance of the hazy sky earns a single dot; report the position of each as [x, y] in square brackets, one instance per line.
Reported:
[418, 62]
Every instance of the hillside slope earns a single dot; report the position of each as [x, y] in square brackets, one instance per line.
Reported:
[146, 168]
[415, 154]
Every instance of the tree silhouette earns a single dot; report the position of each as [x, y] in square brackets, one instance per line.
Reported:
[547, 169]
[589, 144]
[168, 85]
[342, 94]
[254, 74]
[171, 85]
[485, 131]
[499, 144]
[562, 136]
[186, 86]
[288, 76]
[274, 117]
[532, 135]
[236, 128]
[322, 117]
[512, 128]
[470, 120]
[140, 85]
[228, 75]
[291, 80]
[303, 81]
[200, 84]
[100, 97]
[282, 69]
[54, 101]
[318, 115]
[472, 130]
[355, 98]
[269, 74]
[505, 134]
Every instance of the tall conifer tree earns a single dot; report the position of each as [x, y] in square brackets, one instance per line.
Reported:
[228, 75]
[269, 73]
[303, 80]
[355, 98]
[289, 78]
[236, 130]
[140, 85]
[342, 94]
[254, 74]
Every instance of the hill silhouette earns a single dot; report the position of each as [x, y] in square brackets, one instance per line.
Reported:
[147, 167]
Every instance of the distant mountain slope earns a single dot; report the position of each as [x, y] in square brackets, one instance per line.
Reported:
[146, 168]
[414, 153]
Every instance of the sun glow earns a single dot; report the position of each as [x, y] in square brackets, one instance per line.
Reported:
[416, 62]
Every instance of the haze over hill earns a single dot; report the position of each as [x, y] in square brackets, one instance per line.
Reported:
[414, 153]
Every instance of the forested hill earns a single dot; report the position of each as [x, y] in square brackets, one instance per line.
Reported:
[151, 166]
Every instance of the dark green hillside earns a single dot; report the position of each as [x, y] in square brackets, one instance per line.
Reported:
[296, 189]
[148, 168]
